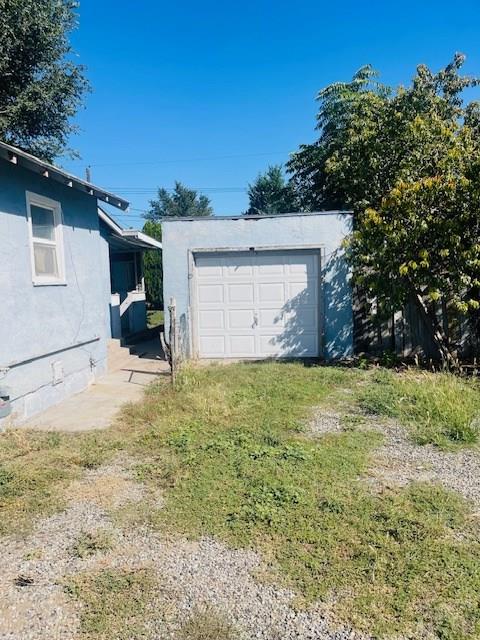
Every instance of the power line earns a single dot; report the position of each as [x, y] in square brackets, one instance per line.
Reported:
[172, 189]
[133, 188]
[197, 159]
[139, 216]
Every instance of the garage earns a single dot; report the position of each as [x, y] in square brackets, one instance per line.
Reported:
[257, 304]
[253, 287]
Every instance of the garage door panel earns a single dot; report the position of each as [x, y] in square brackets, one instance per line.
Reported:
[209, 266]
[305, 317]
[269, 344]
[271, 318]
[269, 265]
[241, 318]
[210, 293]
[241, 293]
[302, 292]
[254, 305]
[211, 319]
[288, 344]
[243, 267]
[302, 265]
[242, 345]
[212, 346]
[272, 292]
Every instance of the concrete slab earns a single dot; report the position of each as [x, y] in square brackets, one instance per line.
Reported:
[97, 406]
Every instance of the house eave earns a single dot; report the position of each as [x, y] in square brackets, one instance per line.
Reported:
[51, 172]
[128, 238]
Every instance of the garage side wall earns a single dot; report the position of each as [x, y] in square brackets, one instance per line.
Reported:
[183, 238]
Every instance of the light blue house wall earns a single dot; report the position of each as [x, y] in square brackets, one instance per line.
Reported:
[41, 326]
[183, 238]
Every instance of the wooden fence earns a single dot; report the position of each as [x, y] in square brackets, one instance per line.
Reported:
[405, 334]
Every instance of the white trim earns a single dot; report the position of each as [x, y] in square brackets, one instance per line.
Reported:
[142, 237]
[53, 205]
[129, 233]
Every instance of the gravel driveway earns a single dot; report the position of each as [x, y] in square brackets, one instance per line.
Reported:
[35, 606]
[400, 461]
[197, 574]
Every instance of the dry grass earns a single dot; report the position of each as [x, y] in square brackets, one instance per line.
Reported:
[207, 624]
[41, 472]
[116, 603]
[90, 543]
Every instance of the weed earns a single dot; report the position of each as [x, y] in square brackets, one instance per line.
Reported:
[90, 543]
[439, 408]
[243, 472]
[207, 624]
[34, 554]
[115, 603]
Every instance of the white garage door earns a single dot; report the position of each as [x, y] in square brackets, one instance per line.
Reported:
[257, 304]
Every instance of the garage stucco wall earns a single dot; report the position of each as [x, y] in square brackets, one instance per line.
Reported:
[43, 325]
[325, 230]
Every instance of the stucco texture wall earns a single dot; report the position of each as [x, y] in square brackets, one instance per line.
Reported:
[182, 238]
[37, 320]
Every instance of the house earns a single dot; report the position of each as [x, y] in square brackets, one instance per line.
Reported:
[70, 279]
[260, 286]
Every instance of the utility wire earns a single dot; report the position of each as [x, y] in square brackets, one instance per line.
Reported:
[148, 190]
[197, 159]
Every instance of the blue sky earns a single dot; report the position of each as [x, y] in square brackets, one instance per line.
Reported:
[211, 93]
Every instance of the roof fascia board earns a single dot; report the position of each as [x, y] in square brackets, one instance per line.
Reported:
[216, 218]
[23, 159]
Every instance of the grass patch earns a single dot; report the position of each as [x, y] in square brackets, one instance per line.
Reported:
[207, 625]
[438, 408]
[154, 318]
[115, 603]
[36, 468]
[88, 544]
[229, 453]
[228, 449]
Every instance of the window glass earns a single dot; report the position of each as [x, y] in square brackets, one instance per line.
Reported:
[43, 222]
[45, 260]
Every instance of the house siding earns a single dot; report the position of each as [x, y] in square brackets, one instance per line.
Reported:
[182, 238]
[41, 325]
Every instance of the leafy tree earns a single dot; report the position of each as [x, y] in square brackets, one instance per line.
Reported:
[152, 267]
[270, 194]
[183, 202]
[408, 163]
[41, 88]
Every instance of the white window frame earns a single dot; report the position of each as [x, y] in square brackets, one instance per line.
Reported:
[47, 203]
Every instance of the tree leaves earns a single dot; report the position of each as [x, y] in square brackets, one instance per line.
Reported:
[41, 87]
[183, 202]
[408, 164]
[271, 194]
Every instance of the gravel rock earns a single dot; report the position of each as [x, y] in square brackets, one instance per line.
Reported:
[400, 461]
[324, 422]
[42, 610]
[191, 575]
[206, 574]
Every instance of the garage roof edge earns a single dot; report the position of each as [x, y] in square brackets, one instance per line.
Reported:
[257, 217]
